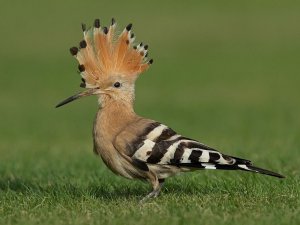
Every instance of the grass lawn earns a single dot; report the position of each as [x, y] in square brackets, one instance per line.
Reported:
[225, 73]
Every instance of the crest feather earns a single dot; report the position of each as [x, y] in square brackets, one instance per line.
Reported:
[102, 53]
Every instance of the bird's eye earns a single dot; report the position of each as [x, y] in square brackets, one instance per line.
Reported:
[117, 84]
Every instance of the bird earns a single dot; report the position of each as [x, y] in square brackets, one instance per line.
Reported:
[130, 145]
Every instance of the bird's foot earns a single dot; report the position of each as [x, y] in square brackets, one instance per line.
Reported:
[152, 194]
[157, 186]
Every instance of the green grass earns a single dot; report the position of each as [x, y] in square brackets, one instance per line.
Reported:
[224, 73]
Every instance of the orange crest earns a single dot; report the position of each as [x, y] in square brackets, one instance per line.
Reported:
[102, 53]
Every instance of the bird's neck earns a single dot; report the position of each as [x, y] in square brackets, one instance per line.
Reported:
[113, 116]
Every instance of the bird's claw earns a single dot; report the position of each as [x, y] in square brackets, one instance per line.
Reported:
[152, 194]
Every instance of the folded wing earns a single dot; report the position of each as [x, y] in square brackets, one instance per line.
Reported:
[160, 145]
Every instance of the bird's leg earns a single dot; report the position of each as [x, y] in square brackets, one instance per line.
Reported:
[156, 184]
[161, 182]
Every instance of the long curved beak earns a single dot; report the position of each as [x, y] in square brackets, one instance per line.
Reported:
[77, 96]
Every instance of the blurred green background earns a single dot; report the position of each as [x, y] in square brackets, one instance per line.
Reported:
[224, 72]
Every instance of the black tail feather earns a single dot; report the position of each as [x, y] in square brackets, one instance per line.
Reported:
[234, 163]
[246, 165]
[263, 171]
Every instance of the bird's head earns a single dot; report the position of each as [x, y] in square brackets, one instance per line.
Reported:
[109, 64]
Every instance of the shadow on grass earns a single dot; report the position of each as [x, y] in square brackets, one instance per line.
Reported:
[114, 190]
[124, 190]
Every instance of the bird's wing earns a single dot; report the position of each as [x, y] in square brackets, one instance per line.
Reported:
[151, 142]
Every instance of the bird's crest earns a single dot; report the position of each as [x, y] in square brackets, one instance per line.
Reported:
[103, 53]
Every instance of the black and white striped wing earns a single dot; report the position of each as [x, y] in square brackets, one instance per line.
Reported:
[161, 145]
[157, 144]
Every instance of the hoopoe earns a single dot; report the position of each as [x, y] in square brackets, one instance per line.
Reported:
[130, 145]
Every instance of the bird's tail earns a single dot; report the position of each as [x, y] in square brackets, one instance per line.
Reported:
[255, 169]
[212, 159]
[246, 165]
